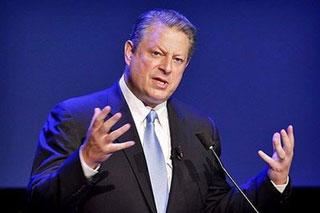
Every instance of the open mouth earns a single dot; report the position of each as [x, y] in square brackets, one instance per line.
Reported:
[161, 83]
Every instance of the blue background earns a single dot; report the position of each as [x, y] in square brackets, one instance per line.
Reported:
[255, 70]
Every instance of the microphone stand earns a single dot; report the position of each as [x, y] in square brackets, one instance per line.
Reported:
[234, 183]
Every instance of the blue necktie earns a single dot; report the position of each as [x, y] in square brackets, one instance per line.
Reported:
[156, 164]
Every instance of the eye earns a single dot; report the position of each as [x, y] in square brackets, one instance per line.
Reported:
[156, 53]
[178, 60]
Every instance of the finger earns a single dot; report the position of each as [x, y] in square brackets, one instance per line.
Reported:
[111, 121]
[278, 148]
[273, 145]
[95, 114]
[114, 147]
[267, 158]
[118, 132]
[291, 134]
[285, 140]
[94, 123]
[104, 112]
[275, 137]
[99, 116]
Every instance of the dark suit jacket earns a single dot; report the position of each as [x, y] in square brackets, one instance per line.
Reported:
[122, 185]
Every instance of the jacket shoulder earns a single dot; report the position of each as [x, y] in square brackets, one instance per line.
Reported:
[79, 110]
[89, 101]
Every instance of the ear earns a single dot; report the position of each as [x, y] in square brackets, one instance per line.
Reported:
[128, 52]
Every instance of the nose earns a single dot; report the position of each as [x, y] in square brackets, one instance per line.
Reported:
[166, 65]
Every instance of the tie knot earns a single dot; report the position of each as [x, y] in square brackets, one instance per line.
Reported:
[151, 116]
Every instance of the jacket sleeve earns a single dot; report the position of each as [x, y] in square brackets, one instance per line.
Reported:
[57, 179]
[222, 198]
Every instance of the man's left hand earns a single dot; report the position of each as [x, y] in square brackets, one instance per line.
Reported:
[280, 162]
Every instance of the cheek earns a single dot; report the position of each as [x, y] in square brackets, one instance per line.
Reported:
[140, 73]
[145, 68]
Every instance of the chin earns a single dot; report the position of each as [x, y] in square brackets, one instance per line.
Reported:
[154, 101]
[157, 97]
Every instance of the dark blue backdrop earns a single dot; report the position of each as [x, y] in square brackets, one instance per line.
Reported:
[255, 70]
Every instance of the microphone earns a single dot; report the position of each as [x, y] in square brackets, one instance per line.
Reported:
[177, 153]
[205, 141]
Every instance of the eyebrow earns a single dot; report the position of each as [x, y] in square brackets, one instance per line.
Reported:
[161, 49]
[175, 55]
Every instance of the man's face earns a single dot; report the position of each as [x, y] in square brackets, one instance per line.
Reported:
[156, 66]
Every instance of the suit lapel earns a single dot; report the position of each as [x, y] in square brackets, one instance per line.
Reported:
[134, 154]
[179, 136]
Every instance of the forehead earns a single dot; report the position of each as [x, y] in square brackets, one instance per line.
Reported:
[160, 34]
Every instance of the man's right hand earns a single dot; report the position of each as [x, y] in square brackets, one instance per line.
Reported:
[99, 145]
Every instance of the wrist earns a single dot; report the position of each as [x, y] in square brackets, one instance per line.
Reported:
[280, 181]
[86, 157]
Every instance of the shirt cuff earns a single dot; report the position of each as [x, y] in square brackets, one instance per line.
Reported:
[87, 170]
[281, 187]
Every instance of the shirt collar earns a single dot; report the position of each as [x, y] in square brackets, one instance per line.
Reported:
[138, 109]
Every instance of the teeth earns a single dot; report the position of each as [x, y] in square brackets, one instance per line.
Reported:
[161, 82]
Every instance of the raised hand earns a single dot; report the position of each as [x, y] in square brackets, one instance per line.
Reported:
[280, 162]
[99, 145]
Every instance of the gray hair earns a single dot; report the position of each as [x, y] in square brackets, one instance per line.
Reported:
[170, 18]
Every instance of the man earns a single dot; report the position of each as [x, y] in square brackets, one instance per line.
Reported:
[133, 148]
